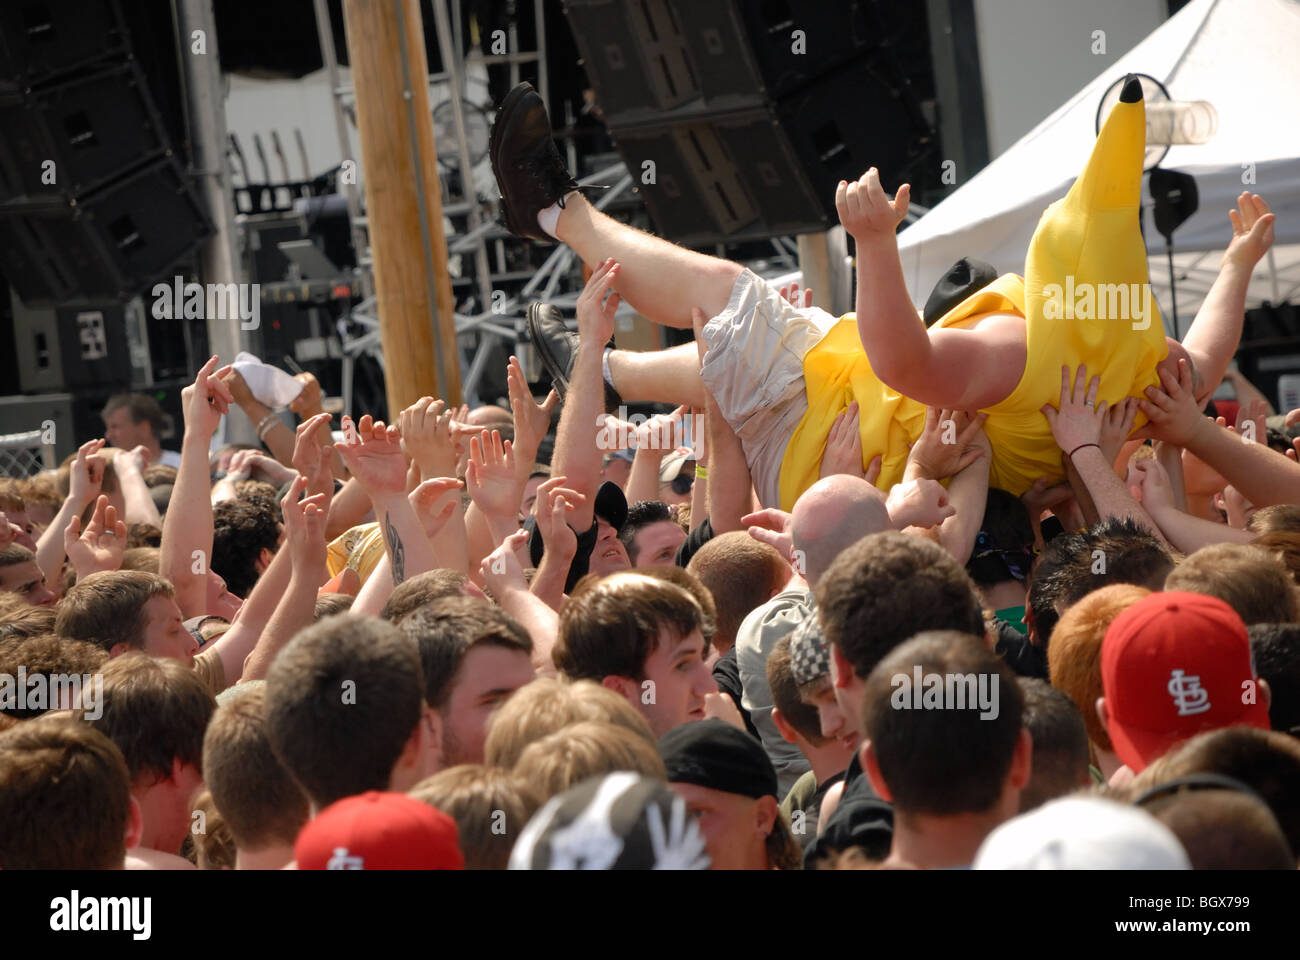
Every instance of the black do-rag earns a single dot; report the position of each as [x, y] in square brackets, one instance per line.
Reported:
[714, 754]
[965, 277]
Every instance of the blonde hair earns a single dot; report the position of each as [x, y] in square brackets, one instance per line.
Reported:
[491, 807]
[547, 705]
[581, 750]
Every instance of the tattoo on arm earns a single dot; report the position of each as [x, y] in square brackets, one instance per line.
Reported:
[396, 551]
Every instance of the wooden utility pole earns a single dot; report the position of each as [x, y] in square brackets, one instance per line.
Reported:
[403, 203]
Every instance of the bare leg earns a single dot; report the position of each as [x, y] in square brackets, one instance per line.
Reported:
[659, 279]
[659, 376]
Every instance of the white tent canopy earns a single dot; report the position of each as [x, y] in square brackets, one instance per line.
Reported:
[1243, 56]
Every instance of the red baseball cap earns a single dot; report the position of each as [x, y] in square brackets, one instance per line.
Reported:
[379, 831]
[1173, 665]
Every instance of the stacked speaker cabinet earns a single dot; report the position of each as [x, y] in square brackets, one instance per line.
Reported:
[95, 204]
[737, 118]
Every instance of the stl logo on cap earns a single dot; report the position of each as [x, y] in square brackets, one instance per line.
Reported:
[341, 861]
[1189, 696]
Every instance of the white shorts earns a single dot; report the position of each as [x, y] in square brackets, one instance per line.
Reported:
[754, 369]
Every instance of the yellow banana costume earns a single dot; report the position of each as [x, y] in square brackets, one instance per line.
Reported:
[1085, 299]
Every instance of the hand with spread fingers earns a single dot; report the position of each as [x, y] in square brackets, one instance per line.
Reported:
[1077, 421]
[101, 545]
[373, 454]
[490, 476]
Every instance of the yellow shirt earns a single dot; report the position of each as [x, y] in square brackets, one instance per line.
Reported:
[1085, 276]
[360, 547]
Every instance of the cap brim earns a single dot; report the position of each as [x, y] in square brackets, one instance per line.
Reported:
[611, 505]
[1138, 748]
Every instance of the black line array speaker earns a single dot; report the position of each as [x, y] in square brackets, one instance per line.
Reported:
[95, 204]
[737, 119]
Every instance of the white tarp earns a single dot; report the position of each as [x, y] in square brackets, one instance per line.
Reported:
[1243, 56]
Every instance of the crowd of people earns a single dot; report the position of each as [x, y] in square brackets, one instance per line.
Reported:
[968, 587]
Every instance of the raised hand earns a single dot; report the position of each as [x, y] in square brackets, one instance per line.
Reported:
[1174, 413]
[102, 544]
[595, 312]
[1252, 231]
[490, 475]
[206, 400]
[532, 420]
[1116, 425]
[87, 472]
[950, 442]
[500, 568]
[866, 212]
[918, 503]
[308, 403]
[843, 445]
[791, 295]
[426, 427]
[424, 501]
[1154, 490]
[311, 457]
[554, 503]
[1077, 421]
[771, 526]
[373, 454]
[660, 433]
[304, 525]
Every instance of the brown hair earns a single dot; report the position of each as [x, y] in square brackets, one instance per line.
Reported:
[888, 587]
[330, 604]
[786, 697]
[566, 757]
[254, 792]
[1244, 577]
[611, 626]
[692, 585]
[547, 705]
[1074, 655]
[741, 574]
[107, 608]
[143, 535]
[65, 797]
[491, 807]
[142, 408]
[342, 700]
[11, 498]
[23, 620]
[146, 559]
[214, 845]
[1285, 545]
[1224, 830]
[422, 588]
[42, 490]
[45, 655]
[1266, 761]
[943, 762]
[444, 632]
[1277, 518]
[155, 710]
[159, 474]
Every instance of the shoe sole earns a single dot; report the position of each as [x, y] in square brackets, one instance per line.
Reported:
[500, 132]
[559, 377]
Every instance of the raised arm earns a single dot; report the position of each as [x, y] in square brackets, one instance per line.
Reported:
[1184, 531]
[505, 578]
[426, 439]
[576, 455]
[555, 503]
[187, 529]
[1215, 333]
[136, 499]
[373, 454]
[86, 475]
[1077, 426]
[947, 368]
[655, 439]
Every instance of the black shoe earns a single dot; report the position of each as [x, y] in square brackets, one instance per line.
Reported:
[557, 347]
[526, 162]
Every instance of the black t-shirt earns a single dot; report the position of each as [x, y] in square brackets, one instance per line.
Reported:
[1021, 656]
[726, 674]
[861, 819]
[697, 538]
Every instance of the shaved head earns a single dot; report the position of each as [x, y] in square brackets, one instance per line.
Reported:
[832, 514]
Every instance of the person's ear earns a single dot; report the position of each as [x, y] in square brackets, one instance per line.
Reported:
[1265, 693]
[1102, 713]
[625, 687]
[119, 648]
[783, 726]
[871, 767]
[264, 558]
[1022, 760]
[765, 813]
[134, 824]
